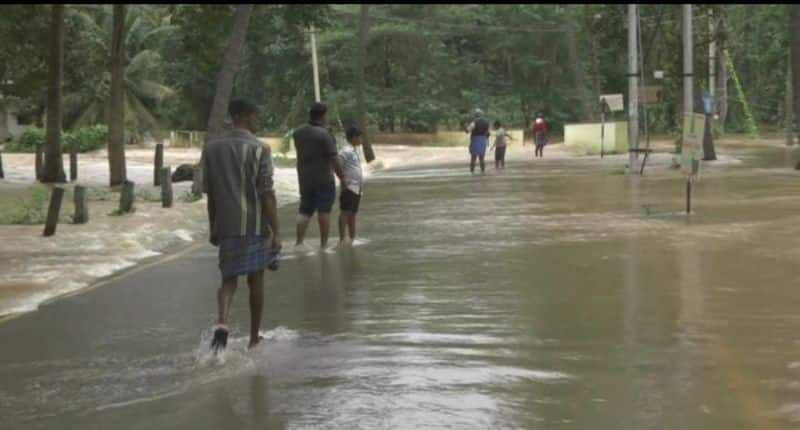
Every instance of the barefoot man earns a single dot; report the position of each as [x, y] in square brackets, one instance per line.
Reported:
[317, 160]
[242, 213]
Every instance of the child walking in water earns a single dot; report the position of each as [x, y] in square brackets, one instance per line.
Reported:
[351, 186]
[499, 145]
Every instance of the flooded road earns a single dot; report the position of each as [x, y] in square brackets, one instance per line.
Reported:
[555, 294]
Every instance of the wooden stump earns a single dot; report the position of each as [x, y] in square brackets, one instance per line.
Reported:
[52, 212]
[2, 175]
[126, 197]
[81, 208]
[166, 187]
[39, 160]
[158, 163]
[197, 178]
[73, 162]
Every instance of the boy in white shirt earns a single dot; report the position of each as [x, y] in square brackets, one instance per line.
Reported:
[352, 182]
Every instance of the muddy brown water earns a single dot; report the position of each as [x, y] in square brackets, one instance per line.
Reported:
[555, 294]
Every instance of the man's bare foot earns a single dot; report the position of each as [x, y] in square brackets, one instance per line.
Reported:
[220, 340]
[255, 342]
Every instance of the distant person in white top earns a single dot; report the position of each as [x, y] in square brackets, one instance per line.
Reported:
[352, 184]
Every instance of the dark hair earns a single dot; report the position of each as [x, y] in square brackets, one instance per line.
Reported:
[239, 108]
[317, 111]
[497, 124]
[352, 132]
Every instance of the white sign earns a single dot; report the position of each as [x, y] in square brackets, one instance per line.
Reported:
[614, 101]
[658, 74]
[694, 127]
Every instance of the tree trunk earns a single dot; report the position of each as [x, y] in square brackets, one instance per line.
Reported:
[595, 74]
[723, 78]
[788, 105]
[794, 56]
[227, 73]
[363, 28]
[230, 65]
[116, 127]
[575, 62]
[53, 164]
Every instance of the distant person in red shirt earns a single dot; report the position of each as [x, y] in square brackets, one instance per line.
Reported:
[539, 128]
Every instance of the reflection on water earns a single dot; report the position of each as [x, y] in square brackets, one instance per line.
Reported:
[554, 294]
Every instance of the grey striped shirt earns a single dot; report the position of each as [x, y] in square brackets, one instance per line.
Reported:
[237, 173]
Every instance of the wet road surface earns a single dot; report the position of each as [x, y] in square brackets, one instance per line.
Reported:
[555, 294]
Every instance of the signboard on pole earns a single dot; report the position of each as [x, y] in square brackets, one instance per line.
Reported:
[650, 95]
[615, 102]
[694, 127]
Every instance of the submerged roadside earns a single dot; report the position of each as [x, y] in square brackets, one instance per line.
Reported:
[35, 270]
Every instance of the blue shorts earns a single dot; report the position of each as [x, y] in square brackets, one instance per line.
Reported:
[477, 145]
[317, 198]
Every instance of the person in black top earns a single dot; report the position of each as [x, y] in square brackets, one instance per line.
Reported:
[317, 161]
[479, 139]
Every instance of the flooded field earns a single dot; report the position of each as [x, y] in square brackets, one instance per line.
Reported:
[555, 294]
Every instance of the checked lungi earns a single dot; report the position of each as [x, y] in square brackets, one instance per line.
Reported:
[241, 255]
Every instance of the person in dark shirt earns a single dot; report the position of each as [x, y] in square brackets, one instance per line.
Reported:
[242, 214]
[317, 161]
[479, 139]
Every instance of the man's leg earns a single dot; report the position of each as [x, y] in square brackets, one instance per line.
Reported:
[302, 226]
[351, 223]
[325, 197]
[472, 158]
[305, 212]
[342, 225]
[483, 164]
[224, 299]
[255, 281]
[324, 228]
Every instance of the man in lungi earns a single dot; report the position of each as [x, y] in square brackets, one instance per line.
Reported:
[242, 213]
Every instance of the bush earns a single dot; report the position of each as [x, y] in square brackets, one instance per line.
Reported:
[27, 141]
[87, 139]
[30, 209]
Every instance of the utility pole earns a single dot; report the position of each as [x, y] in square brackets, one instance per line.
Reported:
[633, 91]
[688, 55]
[314, 64]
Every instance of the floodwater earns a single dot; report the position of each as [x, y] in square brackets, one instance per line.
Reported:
[555, 294]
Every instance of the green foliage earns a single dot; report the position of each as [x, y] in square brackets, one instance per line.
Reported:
[27, 141]
[28, 210]
[752, 129]
[427, 66]
[87, 139]
[86, 102]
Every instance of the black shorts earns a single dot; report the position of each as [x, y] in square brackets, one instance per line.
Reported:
[349, 201]
[317, 199]
[499, 153]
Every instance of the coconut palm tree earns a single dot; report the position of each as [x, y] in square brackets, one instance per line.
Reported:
[145, 30]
